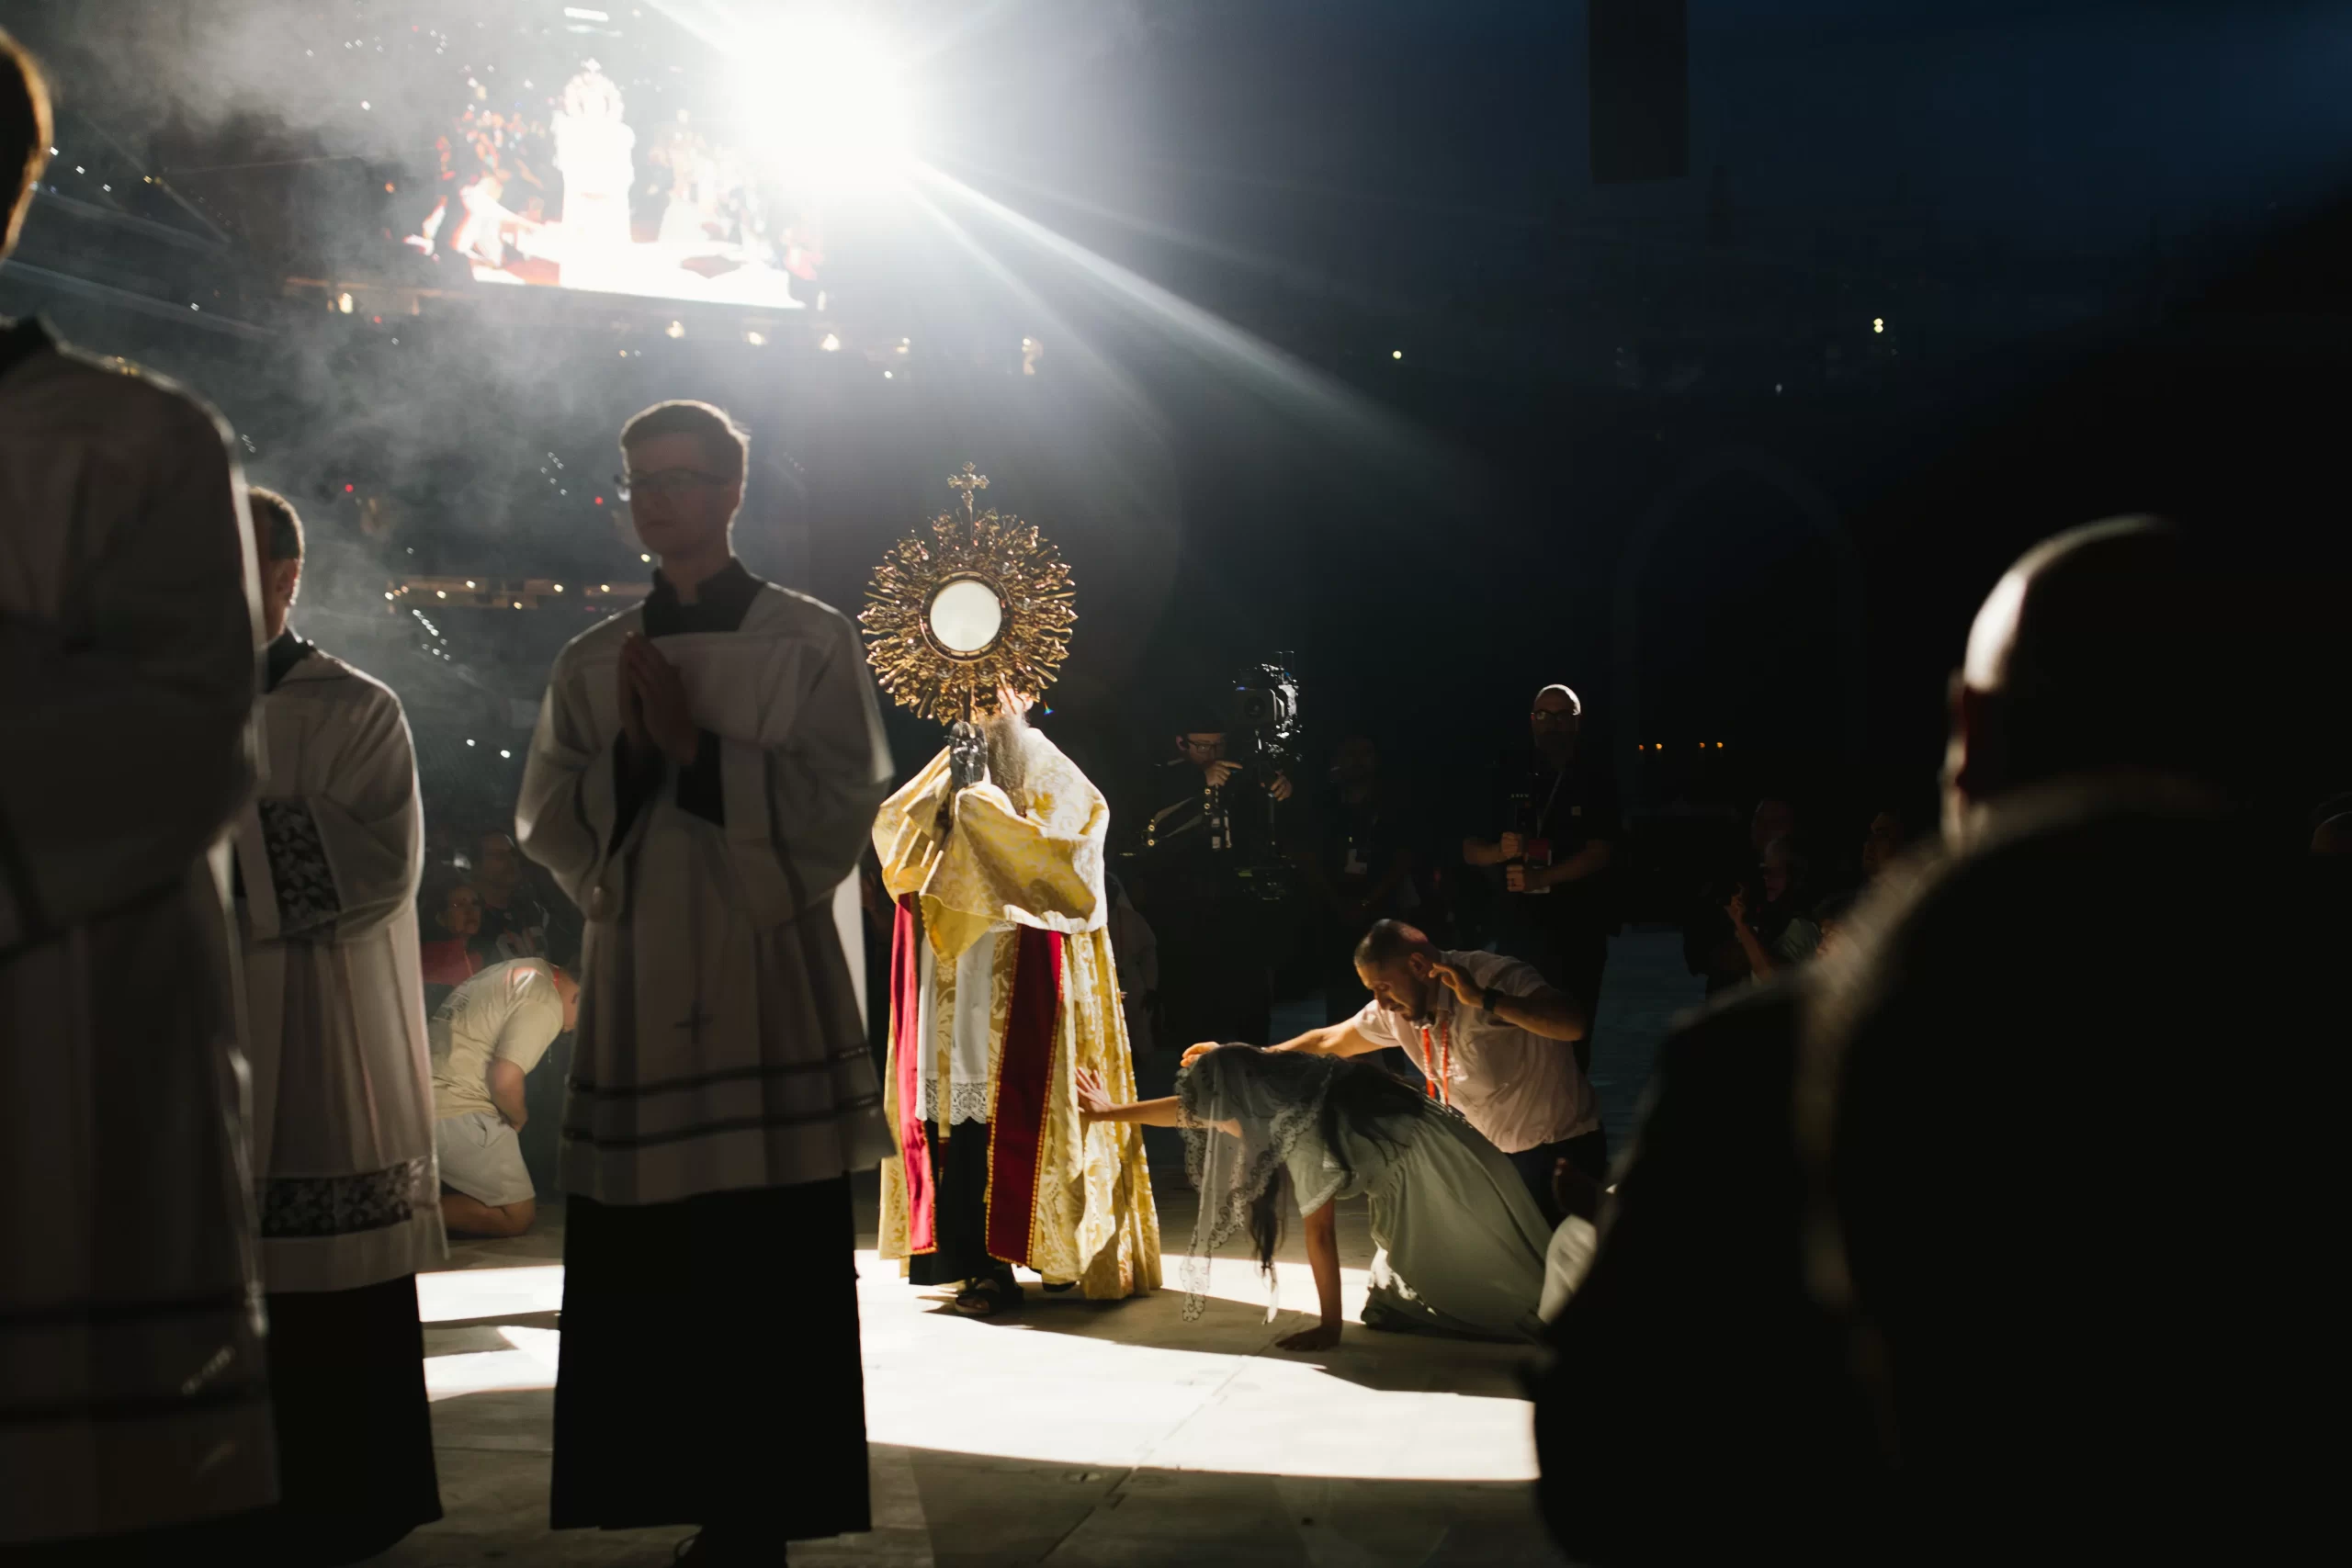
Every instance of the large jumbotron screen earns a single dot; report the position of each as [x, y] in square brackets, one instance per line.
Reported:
[626, 150]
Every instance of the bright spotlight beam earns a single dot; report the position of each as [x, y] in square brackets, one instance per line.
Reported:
[827, 106]
[820, 100]
[1257, 362]
[1263, 265]
[1104, 375]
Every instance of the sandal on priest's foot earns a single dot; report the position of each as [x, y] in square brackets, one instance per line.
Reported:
[987, 1298]
[1053, 1290]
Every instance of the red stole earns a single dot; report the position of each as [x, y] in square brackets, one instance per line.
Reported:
[1025, 1080]
[1023, 1087]
[906, 1069]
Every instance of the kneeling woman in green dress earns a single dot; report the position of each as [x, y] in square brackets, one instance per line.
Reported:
[1462, 1245]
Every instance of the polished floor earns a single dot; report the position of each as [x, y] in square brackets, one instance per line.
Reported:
[1072, 1433]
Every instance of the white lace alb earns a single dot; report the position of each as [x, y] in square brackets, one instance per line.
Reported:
[971, 1030]
[965, 1102]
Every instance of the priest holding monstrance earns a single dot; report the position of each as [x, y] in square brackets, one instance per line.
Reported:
[1002, 984]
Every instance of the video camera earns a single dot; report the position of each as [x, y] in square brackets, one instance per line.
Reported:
[1261, 714]
[1233, 824]
[1262, 734]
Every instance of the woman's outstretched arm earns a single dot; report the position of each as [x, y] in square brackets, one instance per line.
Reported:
[1095, 1104]
[1323, 1255]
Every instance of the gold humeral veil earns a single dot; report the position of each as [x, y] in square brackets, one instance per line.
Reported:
[1036, 865]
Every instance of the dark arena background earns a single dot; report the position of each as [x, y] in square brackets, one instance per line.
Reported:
[1302, 328]
[1711, 357]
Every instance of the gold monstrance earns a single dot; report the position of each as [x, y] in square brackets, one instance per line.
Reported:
[983, 602]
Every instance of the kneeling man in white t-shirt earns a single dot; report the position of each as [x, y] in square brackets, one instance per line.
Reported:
[487, 1036]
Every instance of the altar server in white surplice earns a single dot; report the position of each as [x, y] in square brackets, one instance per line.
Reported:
[132, 1400]
[328, 857]
[703, 776]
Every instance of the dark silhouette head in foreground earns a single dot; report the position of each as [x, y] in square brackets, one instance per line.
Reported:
[2056, 1253]
[2084, 663]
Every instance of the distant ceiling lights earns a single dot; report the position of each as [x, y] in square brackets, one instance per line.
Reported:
[342, 302]
[1878, 323]
[675, 329]
[830, 343]
[1396, 353]
[757, 339]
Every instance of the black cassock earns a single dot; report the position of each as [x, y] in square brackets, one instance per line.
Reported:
[711, 1368]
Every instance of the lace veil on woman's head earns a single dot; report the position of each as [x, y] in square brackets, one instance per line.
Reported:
[1245, 1110]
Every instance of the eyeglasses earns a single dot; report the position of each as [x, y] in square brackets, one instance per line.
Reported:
[1556, 716]
[664, 482]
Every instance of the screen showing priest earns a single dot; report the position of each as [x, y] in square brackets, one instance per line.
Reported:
[1003, 986]
[674, 154]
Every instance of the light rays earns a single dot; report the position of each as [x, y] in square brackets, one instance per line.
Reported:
[1287, 382]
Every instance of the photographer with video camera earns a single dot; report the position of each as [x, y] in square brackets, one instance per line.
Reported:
[1557, 820]
[1211, 866]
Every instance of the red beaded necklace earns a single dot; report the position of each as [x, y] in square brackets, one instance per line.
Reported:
[1439, 1070]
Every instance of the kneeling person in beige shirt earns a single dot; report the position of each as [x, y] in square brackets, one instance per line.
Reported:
[487, 1036]
[1492, 1041]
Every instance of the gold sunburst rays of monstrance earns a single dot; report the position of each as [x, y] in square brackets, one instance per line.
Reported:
[974, 602]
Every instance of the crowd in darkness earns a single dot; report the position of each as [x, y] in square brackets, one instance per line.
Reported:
[1527, 851]
[483, 903]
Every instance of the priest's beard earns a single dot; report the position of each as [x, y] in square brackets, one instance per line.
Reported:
[1007, 736]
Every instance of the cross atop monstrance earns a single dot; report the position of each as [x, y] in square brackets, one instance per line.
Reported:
[969, 480]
